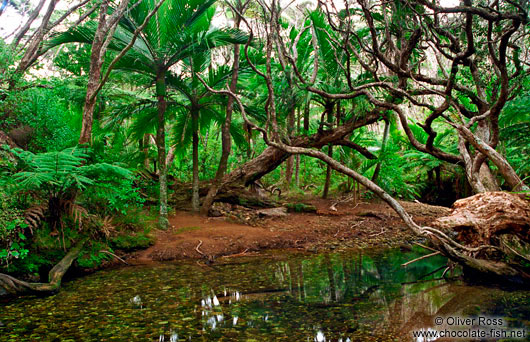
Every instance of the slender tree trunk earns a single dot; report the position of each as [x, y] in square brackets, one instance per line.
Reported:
[195, 182]
[382, 152]
[145, 145]
[328, 174]
[297, 157]
[329, 109]
[306, 116]
[226, 139]
[480, 165]
[163, 221]
[33, 51]
[289, 165]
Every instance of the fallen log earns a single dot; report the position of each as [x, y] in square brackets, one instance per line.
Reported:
[496, 228]
[481, 219]
[15, 286]
[273, 157]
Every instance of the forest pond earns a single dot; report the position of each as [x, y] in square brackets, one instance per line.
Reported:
[342, 296]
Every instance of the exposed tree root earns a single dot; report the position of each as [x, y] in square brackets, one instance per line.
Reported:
[15, 286]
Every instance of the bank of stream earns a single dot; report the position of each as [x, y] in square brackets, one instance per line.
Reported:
[352, 295]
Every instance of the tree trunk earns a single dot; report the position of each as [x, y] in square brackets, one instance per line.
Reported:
[508, 173]
[14, 286]
[226, 139]
[306, 116]
[329, 109]
[94, 75]
[381, 153]
[289, 165]
[328, 174]
[480, 166]
[195, 204]
[163, 221]
[272, 157]
[145, 150]
[104, 32]
[33, 51]
[297, 157]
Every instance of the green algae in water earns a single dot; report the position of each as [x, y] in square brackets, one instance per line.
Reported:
[347, 296]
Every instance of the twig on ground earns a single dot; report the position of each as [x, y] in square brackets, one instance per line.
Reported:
[356, 224]
[197, 248]
[114, 255]
[420, 258]
[425, 247]
[381, 232]
[347, 199]
[237, 254]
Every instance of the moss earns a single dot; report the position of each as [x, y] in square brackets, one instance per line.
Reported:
[132, 241]
[301, 208]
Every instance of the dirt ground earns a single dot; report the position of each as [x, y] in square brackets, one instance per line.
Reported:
[363, 224]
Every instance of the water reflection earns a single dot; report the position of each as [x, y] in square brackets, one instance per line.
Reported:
[341, 297]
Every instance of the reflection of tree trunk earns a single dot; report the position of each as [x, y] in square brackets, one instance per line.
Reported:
[348, 276]
[301, 285]
[331, 277]
[18, 287]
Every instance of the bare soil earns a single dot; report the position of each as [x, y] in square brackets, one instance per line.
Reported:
[363, 224]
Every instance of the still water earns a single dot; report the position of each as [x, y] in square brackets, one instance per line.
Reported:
[343, 296]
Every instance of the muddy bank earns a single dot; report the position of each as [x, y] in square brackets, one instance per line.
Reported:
[333, 225]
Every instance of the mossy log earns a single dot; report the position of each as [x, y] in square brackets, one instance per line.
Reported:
[18, 287]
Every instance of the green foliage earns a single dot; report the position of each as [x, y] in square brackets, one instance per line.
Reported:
[60, 172]
[514, 125]
[12, 233]
[132, 241]
[93, 256]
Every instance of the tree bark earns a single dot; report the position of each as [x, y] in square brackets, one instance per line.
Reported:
[297, 157]
[195, 204]
[381, 153]
[509, 174]
[94, 75]
[161, 147]
[289, 165]
[328, 174]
